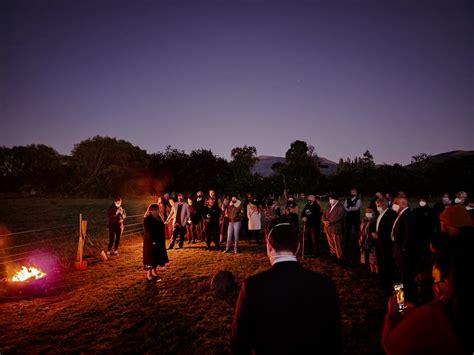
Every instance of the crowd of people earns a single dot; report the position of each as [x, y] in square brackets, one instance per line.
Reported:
[423, 248]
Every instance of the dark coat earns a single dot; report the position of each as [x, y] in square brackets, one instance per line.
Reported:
[154, 245]
[404, 233]
[114, 219]
[287, 309]
[313, 214]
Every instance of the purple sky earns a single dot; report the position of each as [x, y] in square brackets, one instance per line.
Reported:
[394, 77]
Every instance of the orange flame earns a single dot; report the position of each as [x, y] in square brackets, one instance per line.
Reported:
[28, 273]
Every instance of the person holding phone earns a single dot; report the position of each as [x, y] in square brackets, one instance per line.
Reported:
[116, 215]
[442, 326]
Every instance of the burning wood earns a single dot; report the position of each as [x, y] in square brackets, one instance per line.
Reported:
[27, 273]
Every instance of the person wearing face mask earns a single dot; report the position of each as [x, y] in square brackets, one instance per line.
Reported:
[178, 217]
[404, 246]
[441, 205]
[426, 223]
[442, 326]
[287, 309]
[116, 216]
[383, 237]
[460, 199]
[333, 220]
[352, 205]
[311, 216]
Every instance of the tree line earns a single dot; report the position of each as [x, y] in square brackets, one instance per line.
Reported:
[105, 167]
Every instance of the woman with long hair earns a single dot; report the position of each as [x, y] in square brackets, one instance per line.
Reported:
[154, 244]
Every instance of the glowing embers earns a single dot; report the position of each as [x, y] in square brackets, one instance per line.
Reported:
[27, 274]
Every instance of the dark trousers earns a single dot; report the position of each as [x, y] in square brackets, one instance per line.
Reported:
[212, 235]
[385, 261]
[312, 239]
[180, 232]
[252, 233]
[191, 230]
[352, 220]
[115, 232]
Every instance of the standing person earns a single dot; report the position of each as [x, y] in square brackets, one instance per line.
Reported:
[441, 205]
[193, 221]
[254, 220]
[179, 215]
[291, 212]
[461, 198]
[352, 205]
[372, 205]
[269, 212]
[211, 214]
[235, 213]
[198, 206]
[287, 309]
[383, 236]
[311, 216]
[224, 221]
[426, 223]
[333, 220]
[389, 199]
[367, 241]
[443, 326]
[404, 245]
[116, 216]
[154, 243]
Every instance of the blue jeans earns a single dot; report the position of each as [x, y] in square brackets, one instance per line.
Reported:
[233, 233]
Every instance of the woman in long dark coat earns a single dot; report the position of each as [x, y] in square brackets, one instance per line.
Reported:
[154, 245]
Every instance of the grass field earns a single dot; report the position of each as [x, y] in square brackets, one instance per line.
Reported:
[111, 308]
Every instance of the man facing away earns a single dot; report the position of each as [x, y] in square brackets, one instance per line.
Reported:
[286, 309]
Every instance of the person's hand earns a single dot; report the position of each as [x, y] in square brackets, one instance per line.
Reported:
[374, 235]
[304, 219]
[393, 307]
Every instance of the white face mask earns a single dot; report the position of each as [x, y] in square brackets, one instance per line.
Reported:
[457, 200]
[332, 202]
[380, 209]
[369, 215]
[469, 208]
[422, 203]
[395, 207]
[117, 204]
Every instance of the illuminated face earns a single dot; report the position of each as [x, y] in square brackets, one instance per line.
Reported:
[212, 193]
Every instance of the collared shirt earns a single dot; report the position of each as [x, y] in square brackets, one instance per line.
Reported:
[395, 223]
[332, 207]
[379, 219]
[282, 258]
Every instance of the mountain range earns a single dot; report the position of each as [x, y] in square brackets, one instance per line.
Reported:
[264, 164]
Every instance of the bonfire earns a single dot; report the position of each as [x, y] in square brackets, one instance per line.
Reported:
[27, 273]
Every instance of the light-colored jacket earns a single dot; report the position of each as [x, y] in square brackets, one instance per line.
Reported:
[185, 214]
[336, 218]
[255, 217]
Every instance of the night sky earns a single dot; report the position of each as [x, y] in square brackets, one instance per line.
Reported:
[394, 77]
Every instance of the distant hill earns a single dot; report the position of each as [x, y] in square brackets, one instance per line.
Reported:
[264, 165]
[442, 157]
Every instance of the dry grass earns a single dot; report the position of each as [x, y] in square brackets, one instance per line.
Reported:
[110, 307]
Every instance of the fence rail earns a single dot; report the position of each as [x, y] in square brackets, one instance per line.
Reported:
[18, 255]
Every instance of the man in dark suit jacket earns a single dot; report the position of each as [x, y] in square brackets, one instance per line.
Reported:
[383, 234]
[286, 309]
[404, 245]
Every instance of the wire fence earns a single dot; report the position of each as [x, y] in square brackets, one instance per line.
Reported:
[23, 251]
